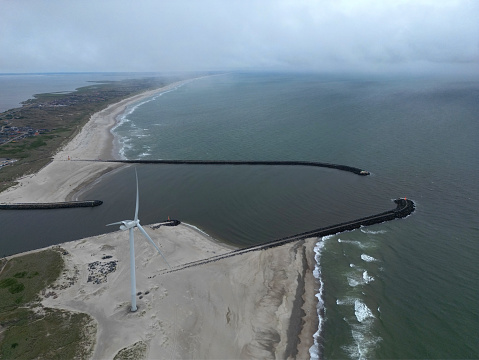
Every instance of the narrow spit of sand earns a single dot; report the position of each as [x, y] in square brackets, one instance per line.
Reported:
[259, 305]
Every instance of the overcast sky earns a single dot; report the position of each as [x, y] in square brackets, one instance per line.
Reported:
[297, 35]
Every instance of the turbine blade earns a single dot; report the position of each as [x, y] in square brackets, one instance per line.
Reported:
[115, 223]
[137, 197]
[164, 223]
[152, 242]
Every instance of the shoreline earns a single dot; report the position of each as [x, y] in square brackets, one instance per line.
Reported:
[247, 307]
[94, 141]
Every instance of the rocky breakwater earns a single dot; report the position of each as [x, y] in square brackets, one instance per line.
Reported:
[54, 205]
[347, 168]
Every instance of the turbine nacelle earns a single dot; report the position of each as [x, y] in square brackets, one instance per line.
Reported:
[128, 224]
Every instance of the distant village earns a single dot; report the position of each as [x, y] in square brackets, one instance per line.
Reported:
[13, 133]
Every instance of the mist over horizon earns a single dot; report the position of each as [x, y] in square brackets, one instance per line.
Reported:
[366, 36]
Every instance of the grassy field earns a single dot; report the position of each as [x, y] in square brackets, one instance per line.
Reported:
[62, 116]
[27, 329]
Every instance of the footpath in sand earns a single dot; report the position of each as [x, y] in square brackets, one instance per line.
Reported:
[258, 305]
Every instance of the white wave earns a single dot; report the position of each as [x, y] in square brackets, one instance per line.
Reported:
[361, 311]
[125, 145]
[355, 279]
[354, 282]
[346, 301]
[365, 231]
[123, 118]
[354, 242]
[314, 351]
[131, 109]
[367, 279]
[368, 258]
[364, 343]
[318, 250]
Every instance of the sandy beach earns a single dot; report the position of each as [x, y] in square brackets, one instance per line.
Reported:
[243, 307]
[258, 305]
[93, 142]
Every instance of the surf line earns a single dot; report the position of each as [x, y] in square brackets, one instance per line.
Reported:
[347, 168]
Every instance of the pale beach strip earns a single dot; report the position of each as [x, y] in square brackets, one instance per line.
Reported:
[257, 305]
[62, 177]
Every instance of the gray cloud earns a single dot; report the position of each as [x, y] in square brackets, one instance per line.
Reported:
[120, 35]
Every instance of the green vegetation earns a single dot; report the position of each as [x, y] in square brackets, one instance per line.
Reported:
[61, 116]
[56, 334]
[27, 329]
[134, 352]
[32, 273]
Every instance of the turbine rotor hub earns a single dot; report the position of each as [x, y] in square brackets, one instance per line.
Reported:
[128, 224]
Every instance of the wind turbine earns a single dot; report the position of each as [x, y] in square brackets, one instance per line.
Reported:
[130, 225]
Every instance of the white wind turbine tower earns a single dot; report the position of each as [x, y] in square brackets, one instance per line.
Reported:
[130, 225]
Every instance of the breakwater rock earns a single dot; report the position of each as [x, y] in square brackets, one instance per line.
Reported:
[54, 205]
[403, 208]
[351, 169]
[166, 223]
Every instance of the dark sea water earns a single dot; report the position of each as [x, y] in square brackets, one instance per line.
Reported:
[403, 289]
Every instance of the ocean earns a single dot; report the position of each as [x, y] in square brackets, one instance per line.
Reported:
[403, 289]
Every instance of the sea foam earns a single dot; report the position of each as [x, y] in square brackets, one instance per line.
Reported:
[373, 232]
[367, 279]
[368, 258]
[364, 342]
[361, 311]
[124, 118]
[314, 350]
[353, 242]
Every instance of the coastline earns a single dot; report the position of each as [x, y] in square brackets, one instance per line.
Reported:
[94, 141]
[257, 305]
